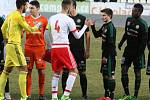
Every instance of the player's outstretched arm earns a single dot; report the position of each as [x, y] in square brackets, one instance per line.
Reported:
[75, 32]
[26, 26]
[95, 33]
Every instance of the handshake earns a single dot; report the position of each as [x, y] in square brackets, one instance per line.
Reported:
[89, 22]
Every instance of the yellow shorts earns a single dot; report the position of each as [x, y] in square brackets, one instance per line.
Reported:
[14, 56]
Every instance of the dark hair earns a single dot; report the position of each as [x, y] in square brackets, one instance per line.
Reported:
[35, 3]
[65, 3]
[108, 11]
[139, 7]
[74, 3]
[20, 3]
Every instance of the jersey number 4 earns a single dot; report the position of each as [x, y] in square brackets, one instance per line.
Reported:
[57, 27]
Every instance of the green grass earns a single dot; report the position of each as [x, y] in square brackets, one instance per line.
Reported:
[95, 84]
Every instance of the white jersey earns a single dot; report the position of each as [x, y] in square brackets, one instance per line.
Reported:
[61, 25]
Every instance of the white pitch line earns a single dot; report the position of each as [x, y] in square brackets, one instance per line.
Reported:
[101, 59]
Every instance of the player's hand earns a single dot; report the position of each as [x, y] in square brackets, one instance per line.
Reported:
[119, 46]
[92, 22]
[87, 22]
[148, 70]
[87, 54]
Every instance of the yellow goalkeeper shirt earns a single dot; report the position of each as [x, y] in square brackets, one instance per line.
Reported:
[13, 27]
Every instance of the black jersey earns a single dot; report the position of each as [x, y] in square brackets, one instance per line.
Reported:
[77, 44]
[108, 34]
[136, 34]
[1, 40]
[1, 23]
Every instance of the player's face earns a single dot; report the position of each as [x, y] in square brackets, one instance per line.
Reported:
[33, 9]
[72, 8]
[69, 8]
[105, 17]
[25, 7]
[136, 13]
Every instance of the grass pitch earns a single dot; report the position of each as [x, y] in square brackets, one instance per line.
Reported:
[95, 83]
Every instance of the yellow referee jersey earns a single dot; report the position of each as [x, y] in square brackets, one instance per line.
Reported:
[13, 27]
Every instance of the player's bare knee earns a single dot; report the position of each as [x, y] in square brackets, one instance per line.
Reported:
[75, 70]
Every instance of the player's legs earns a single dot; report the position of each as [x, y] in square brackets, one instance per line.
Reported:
[7, 95]
[3, 79]
[55, 80]
[82, 73]
[64, 78]
[22, 81]
[125, 78]
[56, 68]
[137, 73]
[63, 57]
[41, 79]
[111, 80]
[104, 71]
[40, 65]
[68, 79]
[83, 79]
[108, 71]
[69, 83]
[125, 64]
[17, 59]
[29, 54]
[81, 63]
[2, 57]
[138, 65]
[29, 83]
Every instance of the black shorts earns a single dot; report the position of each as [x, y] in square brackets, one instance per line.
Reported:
[108, 68]
[80, 59]
[129, 57]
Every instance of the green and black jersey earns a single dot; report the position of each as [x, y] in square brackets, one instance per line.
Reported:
[136, 34]
[77, 44]
[108, 34]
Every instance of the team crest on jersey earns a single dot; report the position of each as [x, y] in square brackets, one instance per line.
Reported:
[78, 20]
[137, 26]
[128, 23]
